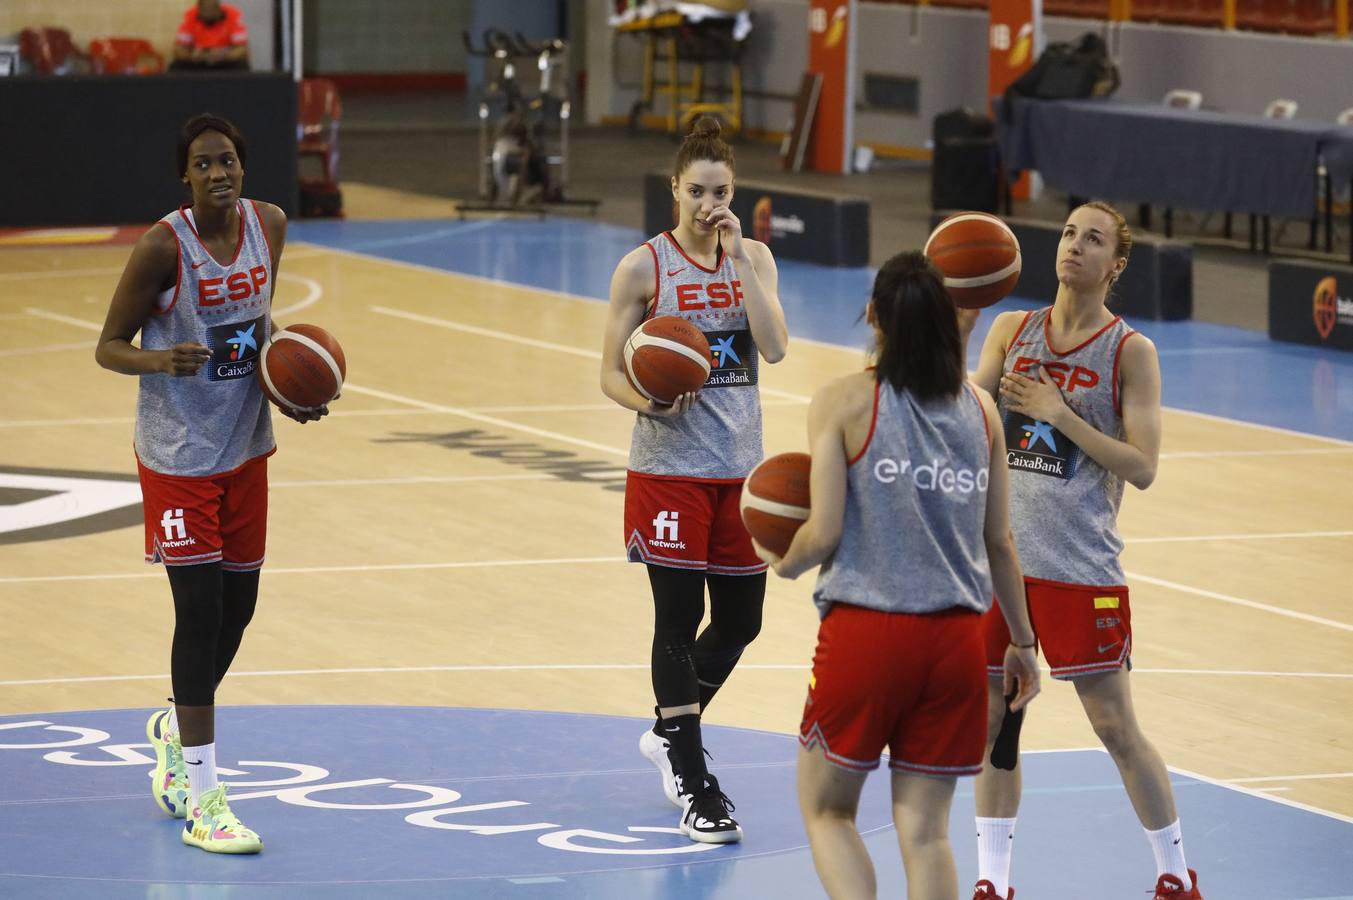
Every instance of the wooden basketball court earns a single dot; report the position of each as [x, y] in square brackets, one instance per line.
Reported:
[451, 534]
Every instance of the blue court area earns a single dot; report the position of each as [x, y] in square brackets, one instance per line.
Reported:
[386, 801]
[1206, 368]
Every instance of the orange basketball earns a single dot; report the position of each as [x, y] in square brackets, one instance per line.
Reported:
[301, 367]
[665, 357]
[775, 500]
[978, 255]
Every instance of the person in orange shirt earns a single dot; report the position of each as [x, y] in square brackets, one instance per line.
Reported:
[211, 36]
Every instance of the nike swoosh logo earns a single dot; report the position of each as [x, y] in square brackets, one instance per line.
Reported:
[191, 763]
[671, 272]
[198, 265]
[672, 729]
[1106, 647]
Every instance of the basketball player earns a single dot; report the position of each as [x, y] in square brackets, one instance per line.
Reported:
[908, 520]
[1080, 403]
[199, 286]
[688, 461]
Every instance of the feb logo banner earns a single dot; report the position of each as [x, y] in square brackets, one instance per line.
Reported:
[1311, 303]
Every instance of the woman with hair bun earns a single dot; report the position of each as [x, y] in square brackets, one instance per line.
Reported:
[689, 458]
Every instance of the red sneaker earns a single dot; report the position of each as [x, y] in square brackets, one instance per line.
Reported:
[1170, 888]
[985, 890]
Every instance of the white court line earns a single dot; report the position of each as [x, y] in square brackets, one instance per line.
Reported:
[1240, 601]
[534, 342]
[1280, 535]
[311, 570]
[1241, 673]
[488, 420]
[398, 670]
[335, 414]
[313, 293]
[793, 338]
[58, 317]
[427, 479]
[1221, 454]
[1273, 428]
[1272, 790]
[300, 252]
[49, 348]
[1253, 793]
[1317, 777]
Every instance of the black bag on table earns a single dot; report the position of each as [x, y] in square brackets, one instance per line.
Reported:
[1066, 72]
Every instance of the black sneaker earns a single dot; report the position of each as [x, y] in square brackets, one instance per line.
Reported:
[707, 818]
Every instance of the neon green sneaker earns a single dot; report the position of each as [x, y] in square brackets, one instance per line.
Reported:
[169, 781]
[214, 828]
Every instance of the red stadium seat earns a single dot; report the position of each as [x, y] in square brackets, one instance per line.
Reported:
[318, 112]
[125, 56]
[50, 51]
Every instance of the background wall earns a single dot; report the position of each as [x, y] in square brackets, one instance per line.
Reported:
[155, 20]
[385, 36]
[945, 51]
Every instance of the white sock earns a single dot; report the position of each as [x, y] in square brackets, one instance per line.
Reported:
[201, 763]
[995, 842]
[172, 726]
[1168, 847]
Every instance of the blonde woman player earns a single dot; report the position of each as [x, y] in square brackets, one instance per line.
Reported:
[1080, 406]
[909, 524]
[688, 461]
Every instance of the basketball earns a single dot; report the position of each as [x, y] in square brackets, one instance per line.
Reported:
[978, 255]
[301, 367]
[775, 500]
[666, 357]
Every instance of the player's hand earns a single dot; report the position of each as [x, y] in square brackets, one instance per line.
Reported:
[1021, 665]
[730, 229]
[765, 555]
[681, 404]
[313, 414]
[967, 321]
[1038, 398]
[184, 360]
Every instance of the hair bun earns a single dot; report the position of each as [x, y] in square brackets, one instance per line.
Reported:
[706, 127]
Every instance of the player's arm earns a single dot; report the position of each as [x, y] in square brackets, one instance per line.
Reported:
[997, 344]
[760, 283]
[152, 267]
[632, 288]
[275, 226]
[1007, 580]
[1135, 458]
[821, 532]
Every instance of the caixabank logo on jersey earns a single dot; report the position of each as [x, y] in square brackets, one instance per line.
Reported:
[234, 349]
[1034, 446]
[732, 359]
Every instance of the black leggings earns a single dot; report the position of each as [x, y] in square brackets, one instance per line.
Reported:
[687, 669]
[211, 610]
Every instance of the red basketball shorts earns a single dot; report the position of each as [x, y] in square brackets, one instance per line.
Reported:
[911, 683]
[1082, 629]
[687, 524]
[217, 518]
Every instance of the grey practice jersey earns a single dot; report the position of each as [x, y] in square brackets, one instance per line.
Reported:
[916, 498]
[216, 420]
[720, 436]
[1063, 504]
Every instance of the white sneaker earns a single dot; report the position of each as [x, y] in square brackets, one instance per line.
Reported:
[708, 817]
[658, 751]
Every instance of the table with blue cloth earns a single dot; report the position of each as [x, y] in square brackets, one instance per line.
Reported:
[1192, 159]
